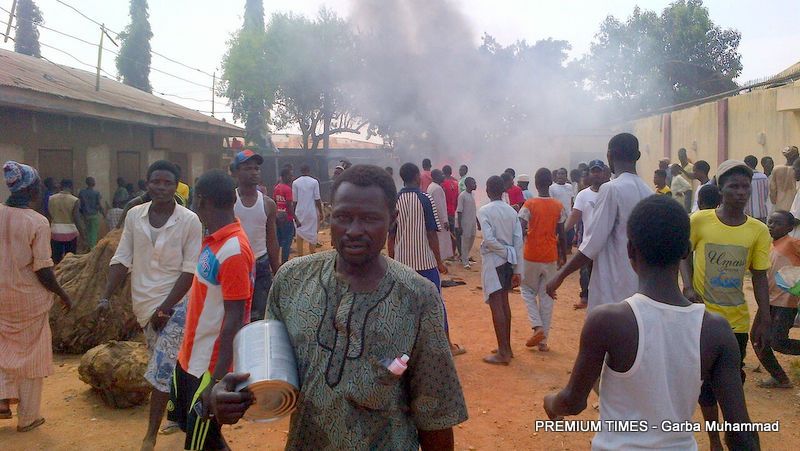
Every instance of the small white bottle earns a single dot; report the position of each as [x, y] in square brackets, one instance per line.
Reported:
[399, 365]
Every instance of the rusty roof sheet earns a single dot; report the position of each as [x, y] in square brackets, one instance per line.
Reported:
[30, 74]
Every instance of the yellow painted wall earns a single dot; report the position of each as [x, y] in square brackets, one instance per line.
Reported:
[695, 129]
[650, 133]
[749, 115]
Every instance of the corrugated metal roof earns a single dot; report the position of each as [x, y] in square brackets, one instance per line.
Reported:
[22, 77]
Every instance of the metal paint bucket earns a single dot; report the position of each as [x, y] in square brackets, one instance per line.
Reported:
[262, 348]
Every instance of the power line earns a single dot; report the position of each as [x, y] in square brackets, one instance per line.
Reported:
[84, 15]
[44, 44]
[116, 33]
[111, 51]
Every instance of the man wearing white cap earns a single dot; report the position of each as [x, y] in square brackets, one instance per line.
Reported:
[727, 244]
[523, 180]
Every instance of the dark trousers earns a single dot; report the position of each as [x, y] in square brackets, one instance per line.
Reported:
[586, 275]
[285, 231]
[570, 239]
[62, 248]
[707, 397]
[433, 276]
[261, 289]
[782, 321]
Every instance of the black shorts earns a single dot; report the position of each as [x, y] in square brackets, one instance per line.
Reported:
[185, 408]
[707, 397]
[504, 273]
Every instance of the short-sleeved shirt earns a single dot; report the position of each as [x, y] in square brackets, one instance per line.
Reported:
[462, 184]
[450, 187]
[283, 196]
[585, 202]
[155, 265]
[349, 400]
[565, 194]
[415, 218]
[425, 179]
[90, 201]
[225, 273]
[757, 206]
[183, 192]
[469, 214]
[722, 256]
[515, 196]
[61, 207]
[785, 252]
[121, 197]
[605, 240]
[542, 214]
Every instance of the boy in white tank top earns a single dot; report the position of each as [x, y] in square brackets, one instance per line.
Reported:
[660, 349]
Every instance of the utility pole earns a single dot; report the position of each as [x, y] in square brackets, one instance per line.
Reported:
[10, 19]
[100, 56]
[213, 87]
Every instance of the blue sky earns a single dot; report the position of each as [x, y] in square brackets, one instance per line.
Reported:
[195, 31]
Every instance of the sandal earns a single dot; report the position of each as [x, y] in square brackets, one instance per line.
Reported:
[5, 414]
[543, 347]
[774, 383]
[170, 428]
[535, 339]
[456, 349]
[31, 426]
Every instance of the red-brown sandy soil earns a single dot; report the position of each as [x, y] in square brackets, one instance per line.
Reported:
[503, 402]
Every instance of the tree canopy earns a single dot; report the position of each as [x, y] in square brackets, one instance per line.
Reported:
[26, 39]
[312, 61]
[246, 74]
[133, 61]
[650, 60]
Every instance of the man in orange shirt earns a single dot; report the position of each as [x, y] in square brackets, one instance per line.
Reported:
[543, 217]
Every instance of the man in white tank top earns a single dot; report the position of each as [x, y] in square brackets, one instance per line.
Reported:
[653, 351]
[256, 212]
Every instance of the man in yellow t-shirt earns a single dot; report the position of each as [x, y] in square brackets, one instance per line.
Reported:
[726, 244]
[183, 192]
[660, 181]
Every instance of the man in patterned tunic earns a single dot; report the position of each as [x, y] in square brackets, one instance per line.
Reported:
[348, 311]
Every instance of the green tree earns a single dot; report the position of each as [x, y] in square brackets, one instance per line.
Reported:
[246, 73]
[133, 61]
[312, 62]
[651, 61]
[26, 39]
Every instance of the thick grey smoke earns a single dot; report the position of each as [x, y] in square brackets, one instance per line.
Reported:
[429, 85]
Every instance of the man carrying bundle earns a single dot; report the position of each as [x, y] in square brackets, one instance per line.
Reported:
[348, 398]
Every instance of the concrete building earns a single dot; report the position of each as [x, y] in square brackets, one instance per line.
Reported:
[759, 120]
[52, 118]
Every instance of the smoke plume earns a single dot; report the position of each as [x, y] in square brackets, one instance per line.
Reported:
[431, 85]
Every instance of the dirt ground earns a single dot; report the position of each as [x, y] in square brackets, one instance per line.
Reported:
[503, 402]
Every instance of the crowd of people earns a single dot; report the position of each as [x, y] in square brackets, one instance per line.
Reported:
[204, 264]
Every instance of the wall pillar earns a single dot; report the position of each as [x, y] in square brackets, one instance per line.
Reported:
[197, 165]
[722, 130]
[666, 133]
[98, 165]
